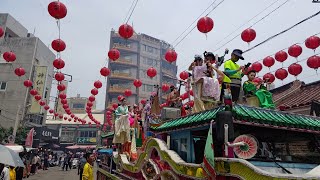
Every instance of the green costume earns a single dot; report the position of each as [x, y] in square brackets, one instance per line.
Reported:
[264, 96]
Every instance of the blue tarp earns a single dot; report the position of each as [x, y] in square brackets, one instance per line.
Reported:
[105, 151]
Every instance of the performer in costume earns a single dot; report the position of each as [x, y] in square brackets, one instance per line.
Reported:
[251, 88]
[234, 72]
[121, 126]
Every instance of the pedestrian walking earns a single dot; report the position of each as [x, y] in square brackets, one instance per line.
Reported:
[88, 168]
[83, 161]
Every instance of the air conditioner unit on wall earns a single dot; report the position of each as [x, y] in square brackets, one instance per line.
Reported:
[170, 113]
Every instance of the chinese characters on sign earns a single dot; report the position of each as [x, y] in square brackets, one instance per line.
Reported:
[86, 140]
[39, 85]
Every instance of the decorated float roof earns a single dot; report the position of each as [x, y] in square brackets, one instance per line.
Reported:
[250, 116]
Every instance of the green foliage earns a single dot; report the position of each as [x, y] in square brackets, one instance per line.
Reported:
[20, 136]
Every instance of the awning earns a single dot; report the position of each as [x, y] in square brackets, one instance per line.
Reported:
[81, 147]
[106, 151]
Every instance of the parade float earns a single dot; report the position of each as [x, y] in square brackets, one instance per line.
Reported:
[240, 142]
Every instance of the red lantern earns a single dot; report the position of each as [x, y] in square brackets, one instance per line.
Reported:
[268, 61]
[65, 118]
[127, 92]
[65, 106]
[72, 115]
[313, 62]
[69, 121]
[171, 56]
[191, 93]
[137, 83]
[143, 101]
[58, 45]
[57, 10]
[125, 31]
[248, 35]
[312, 42]
[97, 84]
[114, 105]
[295, 51]
[94, 91]
[62, 96]
[269, 78]
[92, 98]
[295, 69]
[281, 56]
[1, 32]
[46, 107]
[165, 87]
[257, 67]
[58, 63]
[184, 75]
[109, 112]
[151, 72]
[64, 101]
[114, 54]
[27, 83]
[205, 24]
[59, 76]
[120, 97]
[33, 92]
[9, 56]
[19, 71]
[51, 111]
[61, 87]
[89, 104]
[257, 80]
[281, 74]
[42, 103]
[37, 97]
[104, 72]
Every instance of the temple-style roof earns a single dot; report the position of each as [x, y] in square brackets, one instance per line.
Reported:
[249, 116]
[296, 94]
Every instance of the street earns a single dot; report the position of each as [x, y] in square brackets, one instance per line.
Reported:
[55, 173]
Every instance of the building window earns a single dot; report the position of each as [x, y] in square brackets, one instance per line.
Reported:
[3, 86]
[78, 106]
[147, 88]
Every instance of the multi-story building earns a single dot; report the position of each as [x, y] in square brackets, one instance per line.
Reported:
[71, 133]
[36, 58]
[78, 104]
[137, 54]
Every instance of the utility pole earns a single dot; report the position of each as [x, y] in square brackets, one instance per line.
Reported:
[16, 124]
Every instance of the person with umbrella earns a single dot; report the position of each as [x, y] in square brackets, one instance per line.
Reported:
[4, 172]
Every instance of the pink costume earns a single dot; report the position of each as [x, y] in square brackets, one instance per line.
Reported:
[210, 87]
[131, 119]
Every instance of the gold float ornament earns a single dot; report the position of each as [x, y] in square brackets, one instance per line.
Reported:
[189, 172]
[199, 172]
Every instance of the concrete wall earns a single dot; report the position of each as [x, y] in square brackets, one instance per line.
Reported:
[30, 52]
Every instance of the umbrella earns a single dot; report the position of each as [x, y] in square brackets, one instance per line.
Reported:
[15, 148]
[9, 157]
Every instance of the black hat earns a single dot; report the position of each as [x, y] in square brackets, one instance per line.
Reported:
[197, 58]
[238, 53]
[208, 54]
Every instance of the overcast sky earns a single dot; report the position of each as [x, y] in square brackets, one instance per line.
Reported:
[86, 30]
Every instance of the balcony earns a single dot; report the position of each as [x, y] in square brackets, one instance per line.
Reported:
[122, 75]
[127, 47]
[124, 62]
[120, 89]
[133, 37]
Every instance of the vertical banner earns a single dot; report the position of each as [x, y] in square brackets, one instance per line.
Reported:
[60, 109]
[29, 139]
[39, 85]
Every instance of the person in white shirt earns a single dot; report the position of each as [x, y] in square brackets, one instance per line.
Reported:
[4, 172]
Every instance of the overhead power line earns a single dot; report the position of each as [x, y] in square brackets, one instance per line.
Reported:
[134, 7]
[282, 32]
[194, 21]
[253, 25]
[196, 25]
[224, 38]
